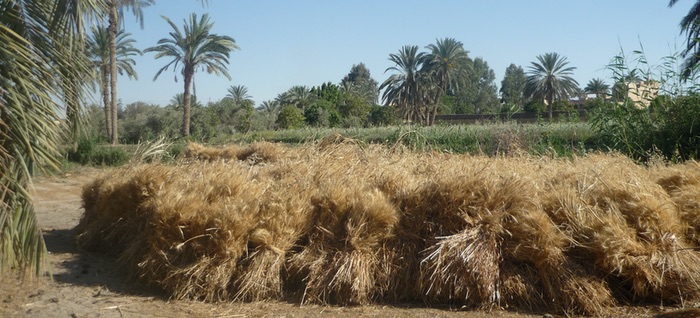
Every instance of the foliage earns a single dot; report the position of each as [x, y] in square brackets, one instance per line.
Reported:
[37, 69]
[690, 24]
[360, 82]
[197, 48]
[89, 152]
[663, 126]
[550, 79]
[479, 94]
[98, 48]
[598, 87]
[382, 116]
[290, 117]
[513, 86]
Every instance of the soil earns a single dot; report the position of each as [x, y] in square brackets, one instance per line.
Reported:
[91, 285]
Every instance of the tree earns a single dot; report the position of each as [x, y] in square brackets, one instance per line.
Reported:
[403, 90]
[239, 95]
[360, 82]
[99, 51]
[34, 60]
[479, 95]
[299, 96]
[690, 24]
[513, 86]
[448, 64]
[115, 11]
[598, 87]
[195, 47]
[550, 80]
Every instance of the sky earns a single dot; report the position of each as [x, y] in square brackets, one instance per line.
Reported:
[310, 42]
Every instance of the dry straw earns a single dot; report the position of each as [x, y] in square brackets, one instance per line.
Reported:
[349, 223]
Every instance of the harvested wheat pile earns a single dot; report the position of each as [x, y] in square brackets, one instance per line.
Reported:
[349, 223]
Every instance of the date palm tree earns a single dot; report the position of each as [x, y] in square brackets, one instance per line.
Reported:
[35, 37]
[115, 12]
[403, 89]
[195, 47]
[448, 63]
[99, 52]
[300, 96]
[239, 95]
[598, 87]
[550, 79]
[690, 24]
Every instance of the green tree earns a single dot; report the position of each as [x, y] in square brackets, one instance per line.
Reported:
[448, 64]
[34, 61]
[480, 91]
[239, 95]
[99, 51]
[290, 117]
[550, 80]
[299, 96]
[360, 82]
[403, 90]
[513, 86]
[195, 47]
[598, 87]
[115, 12]
[690, 24]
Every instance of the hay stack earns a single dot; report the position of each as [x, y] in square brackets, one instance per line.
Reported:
[347, 223]
[340, 263]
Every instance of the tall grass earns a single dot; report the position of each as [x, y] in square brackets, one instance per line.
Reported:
[559, 139]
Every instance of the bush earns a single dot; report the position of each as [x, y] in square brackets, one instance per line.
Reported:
[290, 117]
[88, 152]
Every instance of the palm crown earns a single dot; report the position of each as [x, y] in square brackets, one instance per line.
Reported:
[195, 47]
[550, 79]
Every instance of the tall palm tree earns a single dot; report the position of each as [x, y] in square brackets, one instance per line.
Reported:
[34, 60]
[239, 95]
[550, 79]
[194, 47]
[99, 52]
[300, 96]
[115, 11]
[403, 89]
[448, 63]
[598, 87]
[690, 24]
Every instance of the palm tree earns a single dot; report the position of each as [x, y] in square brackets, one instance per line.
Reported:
[196, 48]
[690, 24]
[550, 79]
[239, 95]
[178, 101]
[403, 89]
[448, 63]
[34, 60]
[299, 96]
[598, 87]
[98, 50]
[115, 11]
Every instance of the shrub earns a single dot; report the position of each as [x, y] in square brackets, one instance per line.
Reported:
[290, 117]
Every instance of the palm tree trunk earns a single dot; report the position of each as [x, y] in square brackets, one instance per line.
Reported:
[104, 88]
[113, 23]
[550, 104]
[189, 74]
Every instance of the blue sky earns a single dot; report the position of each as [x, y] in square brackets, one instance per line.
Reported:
[309, 42]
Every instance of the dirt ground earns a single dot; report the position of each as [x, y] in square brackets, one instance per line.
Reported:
[91, 285]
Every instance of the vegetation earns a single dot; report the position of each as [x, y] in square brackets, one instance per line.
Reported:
[115, 12]
[98, 48]
[550, 80]
[194, 47]
[33, 40]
